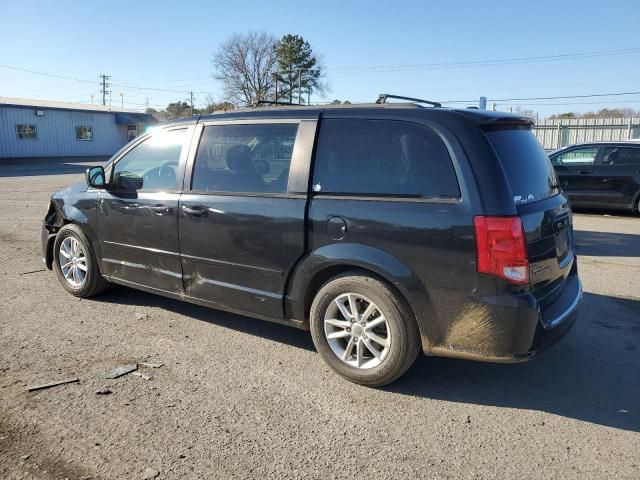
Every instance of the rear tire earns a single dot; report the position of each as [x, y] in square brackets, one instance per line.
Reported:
[75, 263]
[373, 347]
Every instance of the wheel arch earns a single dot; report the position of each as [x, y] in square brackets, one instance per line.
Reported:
[60, 215]
[330, 261]
[635, 204]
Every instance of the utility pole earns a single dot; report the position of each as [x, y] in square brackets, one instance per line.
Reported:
[147, 102]
[299, 86]
[105, 85]
[122, 99]
[275, 76]
[191, 97]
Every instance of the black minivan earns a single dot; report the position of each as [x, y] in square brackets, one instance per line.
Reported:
[600, 175]
[385, 229]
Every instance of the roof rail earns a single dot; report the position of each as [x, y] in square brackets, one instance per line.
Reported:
[382, 98]
[272, 102]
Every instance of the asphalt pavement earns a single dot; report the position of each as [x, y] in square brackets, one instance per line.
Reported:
[237, 397]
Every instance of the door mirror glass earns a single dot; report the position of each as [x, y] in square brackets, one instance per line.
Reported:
[95, 177]
[127, 181]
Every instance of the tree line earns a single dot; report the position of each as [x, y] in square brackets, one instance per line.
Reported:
[603, 113]
[256, 67]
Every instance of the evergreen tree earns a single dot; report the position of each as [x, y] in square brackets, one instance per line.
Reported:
[299, 73]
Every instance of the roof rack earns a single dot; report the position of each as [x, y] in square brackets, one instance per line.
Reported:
[382, 98]
[273, 102]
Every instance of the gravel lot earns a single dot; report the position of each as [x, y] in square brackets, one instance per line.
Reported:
[242, 398]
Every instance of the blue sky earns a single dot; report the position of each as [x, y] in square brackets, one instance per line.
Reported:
[168, 45]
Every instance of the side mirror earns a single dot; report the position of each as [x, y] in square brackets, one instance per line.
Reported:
[127, 181]
[95, 177]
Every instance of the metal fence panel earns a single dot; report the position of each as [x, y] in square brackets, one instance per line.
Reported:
[557, 133]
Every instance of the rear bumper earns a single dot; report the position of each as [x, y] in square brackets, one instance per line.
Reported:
[510, 328]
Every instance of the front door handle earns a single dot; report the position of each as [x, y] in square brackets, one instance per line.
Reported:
[196, 211]
[585, 172]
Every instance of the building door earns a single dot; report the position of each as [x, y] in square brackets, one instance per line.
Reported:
[138, 230]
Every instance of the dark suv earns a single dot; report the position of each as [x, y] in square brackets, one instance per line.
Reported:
[386, 229]
[600, 175]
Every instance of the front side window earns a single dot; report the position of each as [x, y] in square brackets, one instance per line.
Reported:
[382, 157]
[155, 160]
[252, 158]
[621, 156]
[577, 156]
[26, 132]
[84, 133]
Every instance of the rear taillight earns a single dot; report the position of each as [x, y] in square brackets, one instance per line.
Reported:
[501, 248]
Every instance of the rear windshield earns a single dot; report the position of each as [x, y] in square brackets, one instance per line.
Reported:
[528, 169]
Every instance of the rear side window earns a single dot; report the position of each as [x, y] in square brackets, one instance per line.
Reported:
[621, 156]
[382, 157]
[250, 158]
[527, 167]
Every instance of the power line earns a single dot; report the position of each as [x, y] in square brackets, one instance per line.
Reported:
[568, 96]
[577, 103]
[481, 63]
[592, 95]
[134, 87]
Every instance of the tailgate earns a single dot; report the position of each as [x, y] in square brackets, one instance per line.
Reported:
[548, 226]
[542, 207]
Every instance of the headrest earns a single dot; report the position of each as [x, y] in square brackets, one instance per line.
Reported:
[239, 159]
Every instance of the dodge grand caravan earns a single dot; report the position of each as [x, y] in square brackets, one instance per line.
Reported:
[385, 229]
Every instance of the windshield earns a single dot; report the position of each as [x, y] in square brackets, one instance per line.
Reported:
[527, 166]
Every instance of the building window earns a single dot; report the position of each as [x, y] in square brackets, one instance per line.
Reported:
[26, 132]
[132, 132]
[84, 133]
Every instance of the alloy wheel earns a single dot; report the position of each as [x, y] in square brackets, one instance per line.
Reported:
[73, 262]
[357, 331]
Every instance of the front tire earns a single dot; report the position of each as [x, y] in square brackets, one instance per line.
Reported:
[363, 330]
[75, 263]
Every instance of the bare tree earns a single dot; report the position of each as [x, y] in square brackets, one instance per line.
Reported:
[245, 64]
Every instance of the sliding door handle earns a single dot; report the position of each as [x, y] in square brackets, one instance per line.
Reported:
[196, 211]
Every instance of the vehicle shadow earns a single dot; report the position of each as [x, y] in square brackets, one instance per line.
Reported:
[606, 244]
[592, 375]
[259, 328]
[605, 212]
[30, 167]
